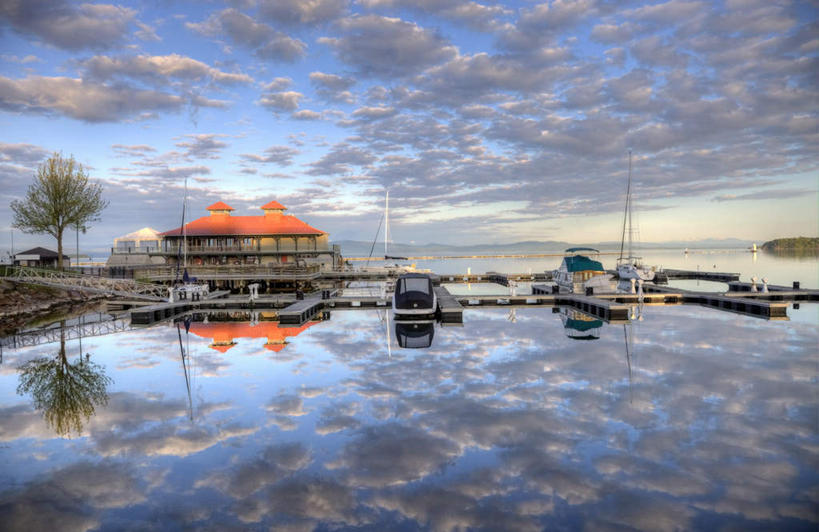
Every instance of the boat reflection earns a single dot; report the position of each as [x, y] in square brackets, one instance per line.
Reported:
[580, 326]
[67, 393]
[414, 334]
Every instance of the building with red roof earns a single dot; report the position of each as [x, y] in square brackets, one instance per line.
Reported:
[224, 334]
[271, 239]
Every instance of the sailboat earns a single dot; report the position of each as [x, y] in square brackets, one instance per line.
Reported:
[629, 266]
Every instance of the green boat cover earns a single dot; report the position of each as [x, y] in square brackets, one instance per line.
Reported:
[580, 263]
[582, 325]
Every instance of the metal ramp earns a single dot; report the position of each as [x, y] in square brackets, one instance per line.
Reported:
[127, 288]
[83, 327]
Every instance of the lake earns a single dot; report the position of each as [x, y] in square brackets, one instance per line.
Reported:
[532, 419]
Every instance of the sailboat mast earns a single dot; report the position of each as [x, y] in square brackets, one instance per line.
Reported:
[386, 222]
[184, 227]
[627, 212]
[630, 209]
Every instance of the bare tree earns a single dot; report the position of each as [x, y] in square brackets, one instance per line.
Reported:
[61, 196]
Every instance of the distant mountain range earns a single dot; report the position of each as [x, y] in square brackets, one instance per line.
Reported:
[358, 248]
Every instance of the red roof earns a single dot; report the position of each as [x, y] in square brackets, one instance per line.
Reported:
[274, 205]
[220, 206]
[245, 225]
[223, 333]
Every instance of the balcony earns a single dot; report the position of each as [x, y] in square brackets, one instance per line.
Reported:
[172, 249]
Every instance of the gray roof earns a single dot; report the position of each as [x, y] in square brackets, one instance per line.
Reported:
[42, 252]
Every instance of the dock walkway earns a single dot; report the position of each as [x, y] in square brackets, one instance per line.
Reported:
[750, 303]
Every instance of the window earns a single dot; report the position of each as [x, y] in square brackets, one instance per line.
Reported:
[415, 284]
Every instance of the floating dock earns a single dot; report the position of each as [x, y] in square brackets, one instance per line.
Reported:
[612, 307]
[749, 304]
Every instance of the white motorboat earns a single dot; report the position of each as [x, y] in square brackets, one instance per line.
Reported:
[578, 272]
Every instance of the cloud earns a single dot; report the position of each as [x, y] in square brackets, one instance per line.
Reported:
[387, 47]
[314, 500]
[393, 454]
[281, 155]
[22, 154]
[540, 24]
[274, 463]
[302, 12]
[281, 101]
[333, 87]
[766, 195]
[135, 150]
[240, 29]
[286, 405]
[478, 16]
[72, 496]
[203, 146]
[306, 114]
[341, 160]
[158, 69]
[68, 26]
[86, 100]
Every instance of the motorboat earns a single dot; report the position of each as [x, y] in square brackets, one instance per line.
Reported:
[414, 296]
[579, 272]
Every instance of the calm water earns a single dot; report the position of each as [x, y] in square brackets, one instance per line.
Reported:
[688, 418]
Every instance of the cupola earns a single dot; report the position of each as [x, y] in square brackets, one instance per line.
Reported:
[220, 208]
[274, 207]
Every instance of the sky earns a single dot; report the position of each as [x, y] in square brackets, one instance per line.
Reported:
[487, 122]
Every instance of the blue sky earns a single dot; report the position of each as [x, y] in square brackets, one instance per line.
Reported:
[488, 122]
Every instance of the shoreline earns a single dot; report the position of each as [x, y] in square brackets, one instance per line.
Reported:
[23, 305]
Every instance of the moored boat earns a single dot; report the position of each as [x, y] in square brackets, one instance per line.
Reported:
[414, 296]
[578, 272]
[629, 266]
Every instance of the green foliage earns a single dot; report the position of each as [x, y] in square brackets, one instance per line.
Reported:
[60, 197]
[798, 244]
[66, 393]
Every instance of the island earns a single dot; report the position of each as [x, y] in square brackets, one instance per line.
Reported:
[800, 244]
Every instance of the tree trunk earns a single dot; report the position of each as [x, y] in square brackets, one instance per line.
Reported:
[59, 250]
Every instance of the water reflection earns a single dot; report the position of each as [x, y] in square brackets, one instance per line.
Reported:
[509, 426]
[414, 334]
[66, 393]
[580, 326]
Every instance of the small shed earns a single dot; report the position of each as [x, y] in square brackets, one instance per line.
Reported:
[39, 257]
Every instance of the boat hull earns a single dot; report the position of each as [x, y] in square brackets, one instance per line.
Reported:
[633, 271]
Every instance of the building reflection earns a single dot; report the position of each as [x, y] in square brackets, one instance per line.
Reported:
[67, 393]
[225, 328]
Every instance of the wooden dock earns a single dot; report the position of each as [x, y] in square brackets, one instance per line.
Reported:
[301, 310]
[720, 277]
[749, 304]
[449, 309]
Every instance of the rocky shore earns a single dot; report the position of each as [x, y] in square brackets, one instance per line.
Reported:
[25, 304]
